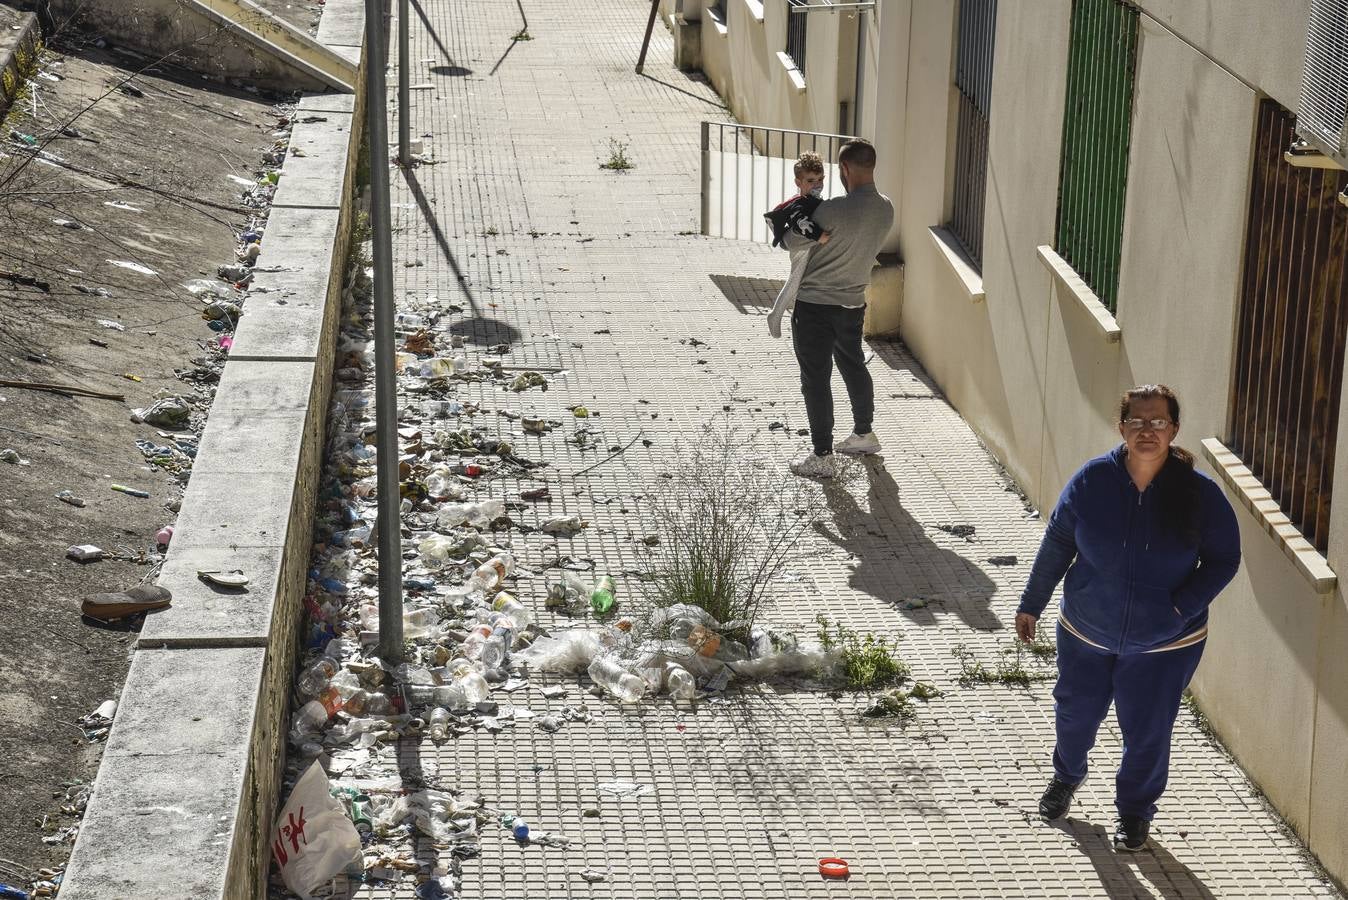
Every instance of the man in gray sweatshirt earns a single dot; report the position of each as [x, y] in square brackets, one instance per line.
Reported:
[831, 305]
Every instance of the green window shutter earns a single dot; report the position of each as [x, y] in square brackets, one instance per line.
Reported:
[1097, 126]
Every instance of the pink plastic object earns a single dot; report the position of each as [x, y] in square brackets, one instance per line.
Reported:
[164, 535]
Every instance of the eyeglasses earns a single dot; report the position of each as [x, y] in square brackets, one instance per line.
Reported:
[1136, 425]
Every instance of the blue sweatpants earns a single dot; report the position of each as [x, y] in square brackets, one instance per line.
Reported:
[1146, 689]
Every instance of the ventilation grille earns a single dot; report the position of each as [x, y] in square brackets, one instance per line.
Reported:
[1324, 84]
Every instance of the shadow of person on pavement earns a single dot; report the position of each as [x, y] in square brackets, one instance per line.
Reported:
[1151, 872]
[897, 563]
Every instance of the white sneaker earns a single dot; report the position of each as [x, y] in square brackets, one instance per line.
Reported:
[859, 444]
[813, 466]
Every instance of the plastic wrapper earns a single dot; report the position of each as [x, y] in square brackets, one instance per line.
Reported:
[566, 652]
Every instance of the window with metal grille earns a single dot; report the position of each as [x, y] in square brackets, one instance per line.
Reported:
[1097, 126]
[973, 80]
[1293, 320]
[796, 26]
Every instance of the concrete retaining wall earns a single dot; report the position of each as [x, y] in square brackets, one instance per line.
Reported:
[234, 40]
[18, 56]
[189, 783]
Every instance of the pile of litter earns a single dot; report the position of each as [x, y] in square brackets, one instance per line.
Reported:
[477, 569]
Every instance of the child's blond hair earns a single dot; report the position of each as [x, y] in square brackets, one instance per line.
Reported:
[809, 162]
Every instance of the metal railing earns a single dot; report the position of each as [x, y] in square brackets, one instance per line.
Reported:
[973, 80]
[1097, 128]
[1291, 331]
[748, 169]
[797, 29]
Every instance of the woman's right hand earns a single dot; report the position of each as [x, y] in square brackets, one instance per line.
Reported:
[1025, 627]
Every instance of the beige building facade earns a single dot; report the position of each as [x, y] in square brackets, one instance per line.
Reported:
[1030, 354]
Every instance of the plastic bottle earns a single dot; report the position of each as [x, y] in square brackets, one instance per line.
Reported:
[475, 687]
[309, 720]
[315, 677]
[331, 699]
[496, 647]
[377, 704]
[471, 647]
[505, 602]
[679, 682]
[601, 599]
[520, 829]
[439, 723]
[450, 696]
[355, 704]
[619, 682]
[491, 574]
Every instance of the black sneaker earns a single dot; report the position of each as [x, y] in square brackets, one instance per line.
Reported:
[1131, 833]
[1057, 799]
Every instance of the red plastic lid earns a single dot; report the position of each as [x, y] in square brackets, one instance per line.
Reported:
[833, 867]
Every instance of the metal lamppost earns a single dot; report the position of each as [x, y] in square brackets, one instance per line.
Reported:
[385, 384]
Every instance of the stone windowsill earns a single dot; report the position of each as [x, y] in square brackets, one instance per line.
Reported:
[1073, 283]
[755, 9]
[1256, 498]
[718, 21]
[965, 271]
[797, 79]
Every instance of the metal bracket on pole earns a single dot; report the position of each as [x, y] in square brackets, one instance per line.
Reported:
[385, 384]
[645, 44]
[404, 88]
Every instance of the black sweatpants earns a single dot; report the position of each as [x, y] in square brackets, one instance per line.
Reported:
[821, 335]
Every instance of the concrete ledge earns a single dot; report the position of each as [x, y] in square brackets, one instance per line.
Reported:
[320, 145]
[1077, 288]
[342, 25]
[277, 37]
[965, 271]
[718, 22]
[322, 103]
[1260, 503]
[171, 784]
[793, 74]
[233, 40]
[18, 57]
[755, 8]
[291, 314]
[190, 781]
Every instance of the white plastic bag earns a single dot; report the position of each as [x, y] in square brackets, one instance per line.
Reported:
[568, 651]
[313, 840]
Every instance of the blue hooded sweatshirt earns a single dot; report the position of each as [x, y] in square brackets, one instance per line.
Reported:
[1133, 585]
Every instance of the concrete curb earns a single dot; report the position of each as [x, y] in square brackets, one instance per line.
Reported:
[190, 779]
[18, 54]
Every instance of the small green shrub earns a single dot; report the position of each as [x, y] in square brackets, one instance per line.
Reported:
[1011, 672]
[868, 661]
[618, 161]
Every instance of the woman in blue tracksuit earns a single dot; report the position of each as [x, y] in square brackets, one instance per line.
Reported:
[1146, 543]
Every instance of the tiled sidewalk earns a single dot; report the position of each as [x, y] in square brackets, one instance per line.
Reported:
[598, 273]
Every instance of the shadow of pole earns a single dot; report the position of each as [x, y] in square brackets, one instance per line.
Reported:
[435, 36]
[515, 38]
[708, 100]
[429, 214]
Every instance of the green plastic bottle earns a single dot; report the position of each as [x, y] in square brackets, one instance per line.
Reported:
[601, 599]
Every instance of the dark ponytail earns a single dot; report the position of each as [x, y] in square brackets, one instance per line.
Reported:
[1176, 485]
